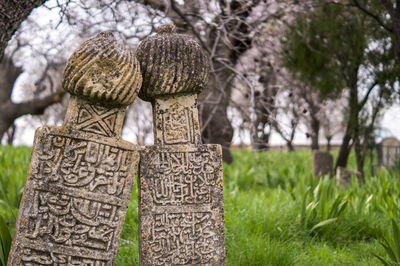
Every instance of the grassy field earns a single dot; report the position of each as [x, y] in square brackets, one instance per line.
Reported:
[275, 212]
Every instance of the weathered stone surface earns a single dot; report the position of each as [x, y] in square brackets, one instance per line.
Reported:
[103, 72]
[176, 120]
[181, 213]
[322, 163]
[181, 206]
[81, 174]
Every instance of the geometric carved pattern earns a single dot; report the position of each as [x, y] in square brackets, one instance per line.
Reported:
[96, 119]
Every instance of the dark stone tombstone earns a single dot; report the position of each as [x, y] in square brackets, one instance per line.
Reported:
[322, 163]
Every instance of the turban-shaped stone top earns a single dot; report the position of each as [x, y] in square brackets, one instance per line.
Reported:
[171, 64]
[103, 72]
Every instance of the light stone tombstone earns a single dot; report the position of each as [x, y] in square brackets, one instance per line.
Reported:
[181, 213]
[81, 174]
[322, 163]
[344, 176]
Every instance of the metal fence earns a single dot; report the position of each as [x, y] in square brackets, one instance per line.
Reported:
[387, 156]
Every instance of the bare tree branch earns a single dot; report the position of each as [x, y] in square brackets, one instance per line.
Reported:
[389, 7]
[373, 15]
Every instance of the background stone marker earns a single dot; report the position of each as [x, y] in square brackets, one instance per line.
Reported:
[181, 213]
[344, 175]
[322, 163]
[81, 174]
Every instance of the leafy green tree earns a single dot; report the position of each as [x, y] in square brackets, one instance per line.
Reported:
[340, 52]
[385, 12]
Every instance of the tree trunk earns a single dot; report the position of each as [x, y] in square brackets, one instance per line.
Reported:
[219, 130]
[344, 151]
[214, 119]
[259, 138]
[352, 125]
[315, 126]
[11, 134]
[215, 99]
[11, 111]
[396, 32]
[224, 53]
[328, 143]
[359, 158]
[261, 142]
[12, 13]
[264, 105]
[290, 147]
[9, 73]
[314, 142]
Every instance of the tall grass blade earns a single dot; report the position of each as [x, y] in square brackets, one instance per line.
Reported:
[323, 223]
[384, 262]
[336, 206]
[290, 190]
[304, 208]
[389, 250]
[2, 257]
[5, 241]
[396, 239]
[342, 207]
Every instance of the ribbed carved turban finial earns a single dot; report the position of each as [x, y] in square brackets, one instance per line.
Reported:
[171, 64]
[103, 72]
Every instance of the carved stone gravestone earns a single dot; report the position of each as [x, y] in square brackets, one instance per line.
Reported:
[322, 163]
[81, 174]
[181, 213]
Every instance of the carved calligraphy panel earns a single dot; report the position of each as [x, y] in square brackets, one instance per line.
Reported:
[176, 121]
[72, 220]
[180, 178]
[181, 206]
[35, 257]
[192, 234]
[77, 163]
[75, 199]
[178, 125]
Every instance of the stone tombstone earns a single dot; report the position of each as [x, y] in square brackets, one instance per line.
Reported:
[181, 213]
[322, 163]
[344, 176]
[389, 152]
[81, 174]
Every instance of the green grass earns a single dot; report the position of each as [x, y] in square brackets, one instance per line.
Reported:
[276, 213]
[14, 164]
